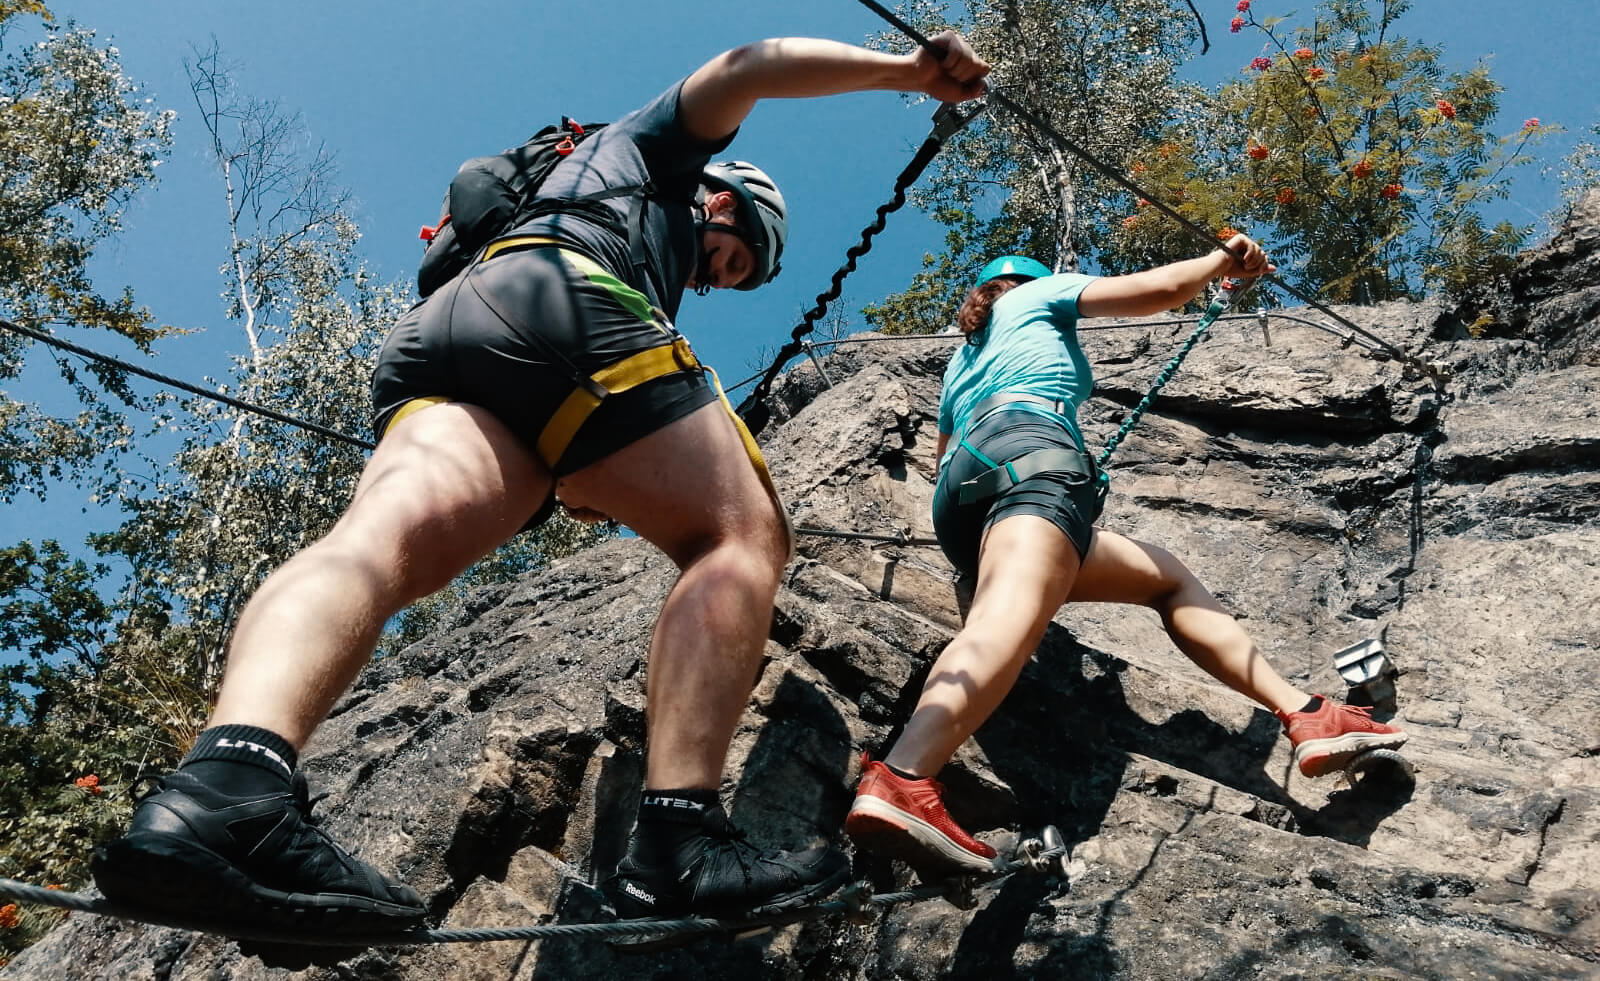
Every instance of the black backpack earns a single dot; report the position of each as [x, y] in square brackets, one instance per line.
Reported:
[492, 195]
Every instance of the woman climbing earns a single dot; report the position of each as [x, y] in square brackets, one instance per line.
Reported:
[1015, 507]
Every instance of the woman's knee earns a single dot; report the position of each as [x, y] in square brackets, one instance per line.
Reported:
[1173, 580]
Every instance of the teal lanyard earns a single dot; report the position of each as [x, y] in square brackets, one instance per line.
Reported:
[1226, 297]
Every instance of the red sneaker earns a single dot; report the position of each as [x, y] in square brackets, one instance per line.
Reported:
[906, 819]
[1327, 739]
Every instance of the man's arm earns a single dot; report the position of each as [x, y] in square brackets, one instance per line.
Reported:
[1144, 293]
[721, 93]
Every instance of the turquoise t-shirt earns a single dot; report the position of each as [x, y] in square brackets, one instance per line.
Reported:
[1030, 346]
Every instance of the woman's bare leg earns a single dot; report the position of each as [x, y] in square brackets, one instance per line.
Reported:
[1025, 569]
[1119, 569]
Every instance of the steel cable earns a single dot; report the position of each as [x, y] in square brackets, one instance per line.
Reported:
[168, 380]
[999, 97]
[660, 928]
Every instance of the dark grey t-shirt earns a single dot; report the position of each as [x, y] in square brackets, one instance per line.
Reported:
[648, 144]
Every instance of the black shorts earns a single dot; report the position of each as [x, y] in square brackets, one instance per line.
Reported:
[455, 347]
[1005, 435]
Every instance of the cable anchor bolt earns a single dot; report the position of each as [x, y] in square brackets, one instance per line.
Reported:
[811, 352]
[1057, 850]
[959, 893]
[1032, 850]
[857, 899]
[1369, 673]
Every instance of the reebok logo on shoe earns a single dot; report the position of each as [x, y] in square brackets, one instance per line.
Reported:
[632, 889]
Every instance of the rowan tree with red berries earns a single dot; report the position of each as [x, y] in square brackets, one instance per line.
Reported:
[1351, 152]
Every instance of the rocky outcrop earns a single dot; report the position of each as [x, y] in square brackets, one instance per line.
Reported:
[1326, 497]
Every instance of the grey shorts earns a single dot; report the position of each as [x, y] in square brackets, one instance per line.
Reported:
[1070, 502]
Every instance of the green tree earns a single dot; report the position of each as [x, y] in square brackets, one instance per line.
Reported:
[1104, 75]
[75, 146]
[113, 681]
[58, 731]
[77, 142]
[1351, 151]
[1579, 172]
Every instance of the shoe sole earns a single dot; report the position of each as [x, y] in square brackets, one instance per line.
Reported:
[884, 829]
[806, 895]
[782, 903]
[1320, 757]
[165, 873]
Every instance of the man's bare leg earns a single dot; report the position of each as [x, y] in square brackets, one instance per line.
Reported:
[443, 489]
[690, 490]
[229, 833]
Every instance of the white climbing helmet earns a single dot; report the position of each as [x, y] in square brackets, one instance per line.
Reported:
[762, 216]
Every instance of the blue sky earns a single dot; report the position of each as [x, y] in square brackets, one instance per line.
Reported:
[403, 90]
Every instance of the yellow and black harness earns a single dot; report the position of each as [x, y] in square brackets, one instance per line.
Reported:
[590, 390]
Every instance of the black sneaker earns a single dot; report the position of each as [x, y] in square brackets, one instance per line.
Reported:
[261, 861]
[717, 872]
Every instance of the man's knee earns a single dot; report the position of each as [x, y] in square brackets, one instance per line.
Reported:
[414, 543]
[772, 533]
[753, 545]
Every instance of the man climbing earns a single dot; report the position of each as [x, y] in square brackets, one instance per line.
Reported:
[549, 366]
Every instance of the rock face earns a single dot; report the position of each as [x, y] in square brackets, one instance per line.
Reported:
[1326, 497]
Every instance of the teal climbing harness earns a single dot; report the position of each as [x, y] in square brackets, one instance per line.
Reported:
[1001, 477]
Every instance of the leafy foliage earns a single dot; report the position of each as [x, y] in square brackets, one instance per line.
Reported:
[114, 663]
[1351, 151]
[1101, 74]
[76, 144]
[59, 732]
[1347, 148]
[1580, 170]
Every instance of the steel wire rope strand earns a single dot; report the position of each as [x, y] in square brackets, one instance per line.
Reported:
[1083, 326]
[1039, 125]
[906, 539]
[1345, 337]
[684, 926]
[168, 380]
[948, 120]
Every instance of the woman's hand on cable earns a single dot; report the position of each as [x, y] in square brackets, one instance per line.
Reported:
[1254, 261]
[955, 77]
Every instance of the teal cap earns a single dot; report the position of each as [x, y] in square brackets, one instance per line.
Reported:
[1013, 265]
